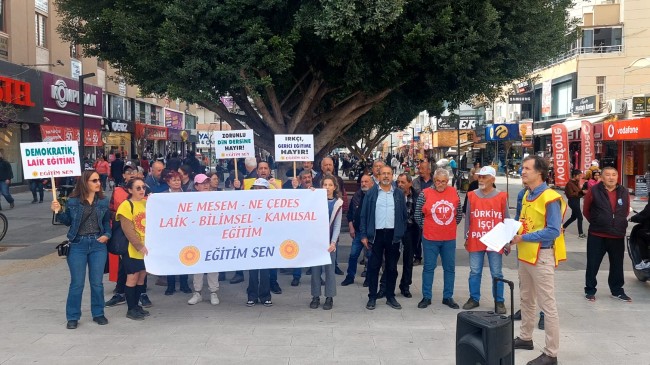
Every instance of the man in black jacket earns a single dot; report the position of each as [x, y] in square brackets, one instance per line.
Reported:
[354, 220]
[606, 207]
[6, 175]
[117, 168]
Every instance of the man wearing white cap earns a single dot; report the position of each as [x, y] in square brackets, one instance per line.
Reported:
[486, 207]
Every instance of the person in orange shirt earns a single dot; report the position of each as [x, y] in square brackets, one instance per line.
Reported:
[486, 207]
[438, 212]
[102, 167]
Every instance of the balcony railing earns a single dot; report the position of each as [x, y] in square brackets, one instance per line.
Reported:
[578, 51]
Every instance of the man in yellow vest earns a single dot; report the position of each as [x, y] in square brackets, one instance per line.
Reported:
[540, 246]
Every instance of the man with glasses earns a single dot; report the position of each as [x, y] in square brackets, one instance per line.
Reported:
[383, 224]
[423, 181]
[438, 212]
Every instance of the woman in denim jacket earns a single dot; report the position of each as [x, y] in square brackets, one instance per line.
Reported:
[87, 215]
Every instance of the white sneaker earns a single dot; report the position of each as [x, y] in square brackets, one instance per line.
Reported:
[214, 299]
[196, 297]
[642, 265]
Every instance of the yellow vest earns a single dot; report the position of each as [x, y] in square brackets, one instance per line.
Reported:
[533, 218]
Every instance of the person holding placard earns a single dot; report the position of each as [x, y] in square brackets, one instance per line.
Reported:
[259, 281]
[303, 181]
[327, 167]
[201, 184]
[540, 247]
[250, 163]
[335, 207]
[132, 216]
[173, 182]
[87, 215]
[486, 207]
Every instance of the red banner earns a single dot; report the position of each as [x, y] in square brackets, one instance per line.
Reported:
[560, 140]
[52, 133]
[151, 132]
[587, 145]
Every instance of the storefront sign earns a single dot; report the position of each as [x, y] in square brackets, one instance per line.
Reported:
[52, 133]
[639, 104]
[547, 98]
[234, 144]
[560, 142]
[151, 132]
[249, 226]
[4, 48]
[520, 99]
[118, 125]
[502, 132]
[21, 91]
[526, 133]
[452, 122]
[15, 92]
[61, 93]
[587, 146]
[627, 130]
[173, 119]
[206, 139]
[50, 159]
[588, 105]
[294, 147]
[523, 87]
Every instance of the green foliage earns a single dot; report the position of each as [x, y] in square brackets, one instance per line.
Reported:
[316, 66]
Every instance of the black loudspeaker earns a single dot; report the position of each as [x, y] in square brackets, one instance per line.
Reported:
[483, 338]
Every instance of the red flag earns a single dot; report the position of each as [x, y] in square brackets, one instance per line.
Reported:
[560, 140]
[587, 145]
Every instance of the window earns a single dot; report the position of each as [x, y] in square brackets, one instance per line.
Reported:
[41, 26]
[561, 99]
[602, 40]
[600, 89]
[2, 15]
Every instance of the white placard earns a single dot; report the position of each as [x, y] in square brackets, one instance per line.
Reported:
[234, 144]
[50, 159]
[501, 234]
[189, 233]
[294, 147]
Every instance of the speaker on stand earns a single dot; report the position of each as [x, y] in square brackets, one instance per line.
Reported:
[486, 338]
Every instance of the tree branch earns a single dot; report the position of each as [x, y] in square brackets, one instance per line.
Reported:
[294, 88]
[306, 101]
[261, 107]
[273, 99]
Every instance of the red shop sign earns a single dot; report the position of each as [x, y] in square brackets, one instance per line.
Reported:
[52, 133]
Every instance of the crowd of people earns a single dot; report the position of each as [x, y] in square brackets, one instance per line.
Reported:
[413, 217]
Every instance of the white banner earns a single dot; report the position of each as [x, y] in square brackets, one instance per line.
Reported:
[198, 232]
[234, 144]
[50, 159]
[294, 147]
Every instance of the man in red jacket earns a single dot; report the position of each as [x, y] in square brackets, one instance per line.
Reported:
[606, 207]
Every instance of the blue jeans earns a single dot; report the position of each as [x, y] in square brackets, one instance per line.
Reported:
[86, 251]
[355, 252]
[4, 190]
[476, 270]
[447, 252]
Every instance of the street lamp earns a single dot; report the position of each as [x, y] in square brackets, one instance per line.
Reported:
[82, 111]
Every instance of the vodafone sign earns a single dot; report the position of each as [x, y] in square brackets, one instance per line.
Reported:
[625, 130]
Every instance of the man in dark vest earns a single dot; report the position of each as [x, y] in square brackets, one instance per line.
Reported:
[606, 207]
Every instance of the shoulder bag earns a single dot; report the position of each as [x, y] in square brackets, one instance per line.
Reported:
[119, 244]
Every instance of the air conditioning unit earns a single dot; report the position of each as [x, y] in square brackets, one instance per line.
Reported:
[616, 106]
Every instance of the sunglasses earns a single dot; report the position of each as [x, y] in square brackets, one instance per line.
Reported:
[138, 188]
[94, 181]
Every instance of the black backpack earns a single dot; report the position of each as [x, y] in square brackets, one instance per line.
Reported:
[119, 244]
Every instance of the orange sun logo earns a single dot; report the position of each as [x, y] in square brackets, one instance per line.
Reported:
[139, 221]
[289, 249]
[189, 255]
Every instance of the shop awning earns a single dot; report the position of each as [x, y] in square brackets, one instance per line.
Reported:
[574, 123]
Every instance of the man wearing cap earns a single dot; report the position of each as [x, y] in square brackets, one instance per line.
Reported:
[486, 207]
[202, 184]
[259, 281]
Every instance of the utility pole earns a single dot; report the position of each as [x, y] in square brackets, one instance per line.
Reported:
[82, 111]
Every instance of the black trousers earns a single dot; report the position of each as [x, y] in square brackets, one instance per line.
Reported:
[596, 249]
[383, 248]
[417, 245]
[576, 214]
[411, 236]
[259, 285]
